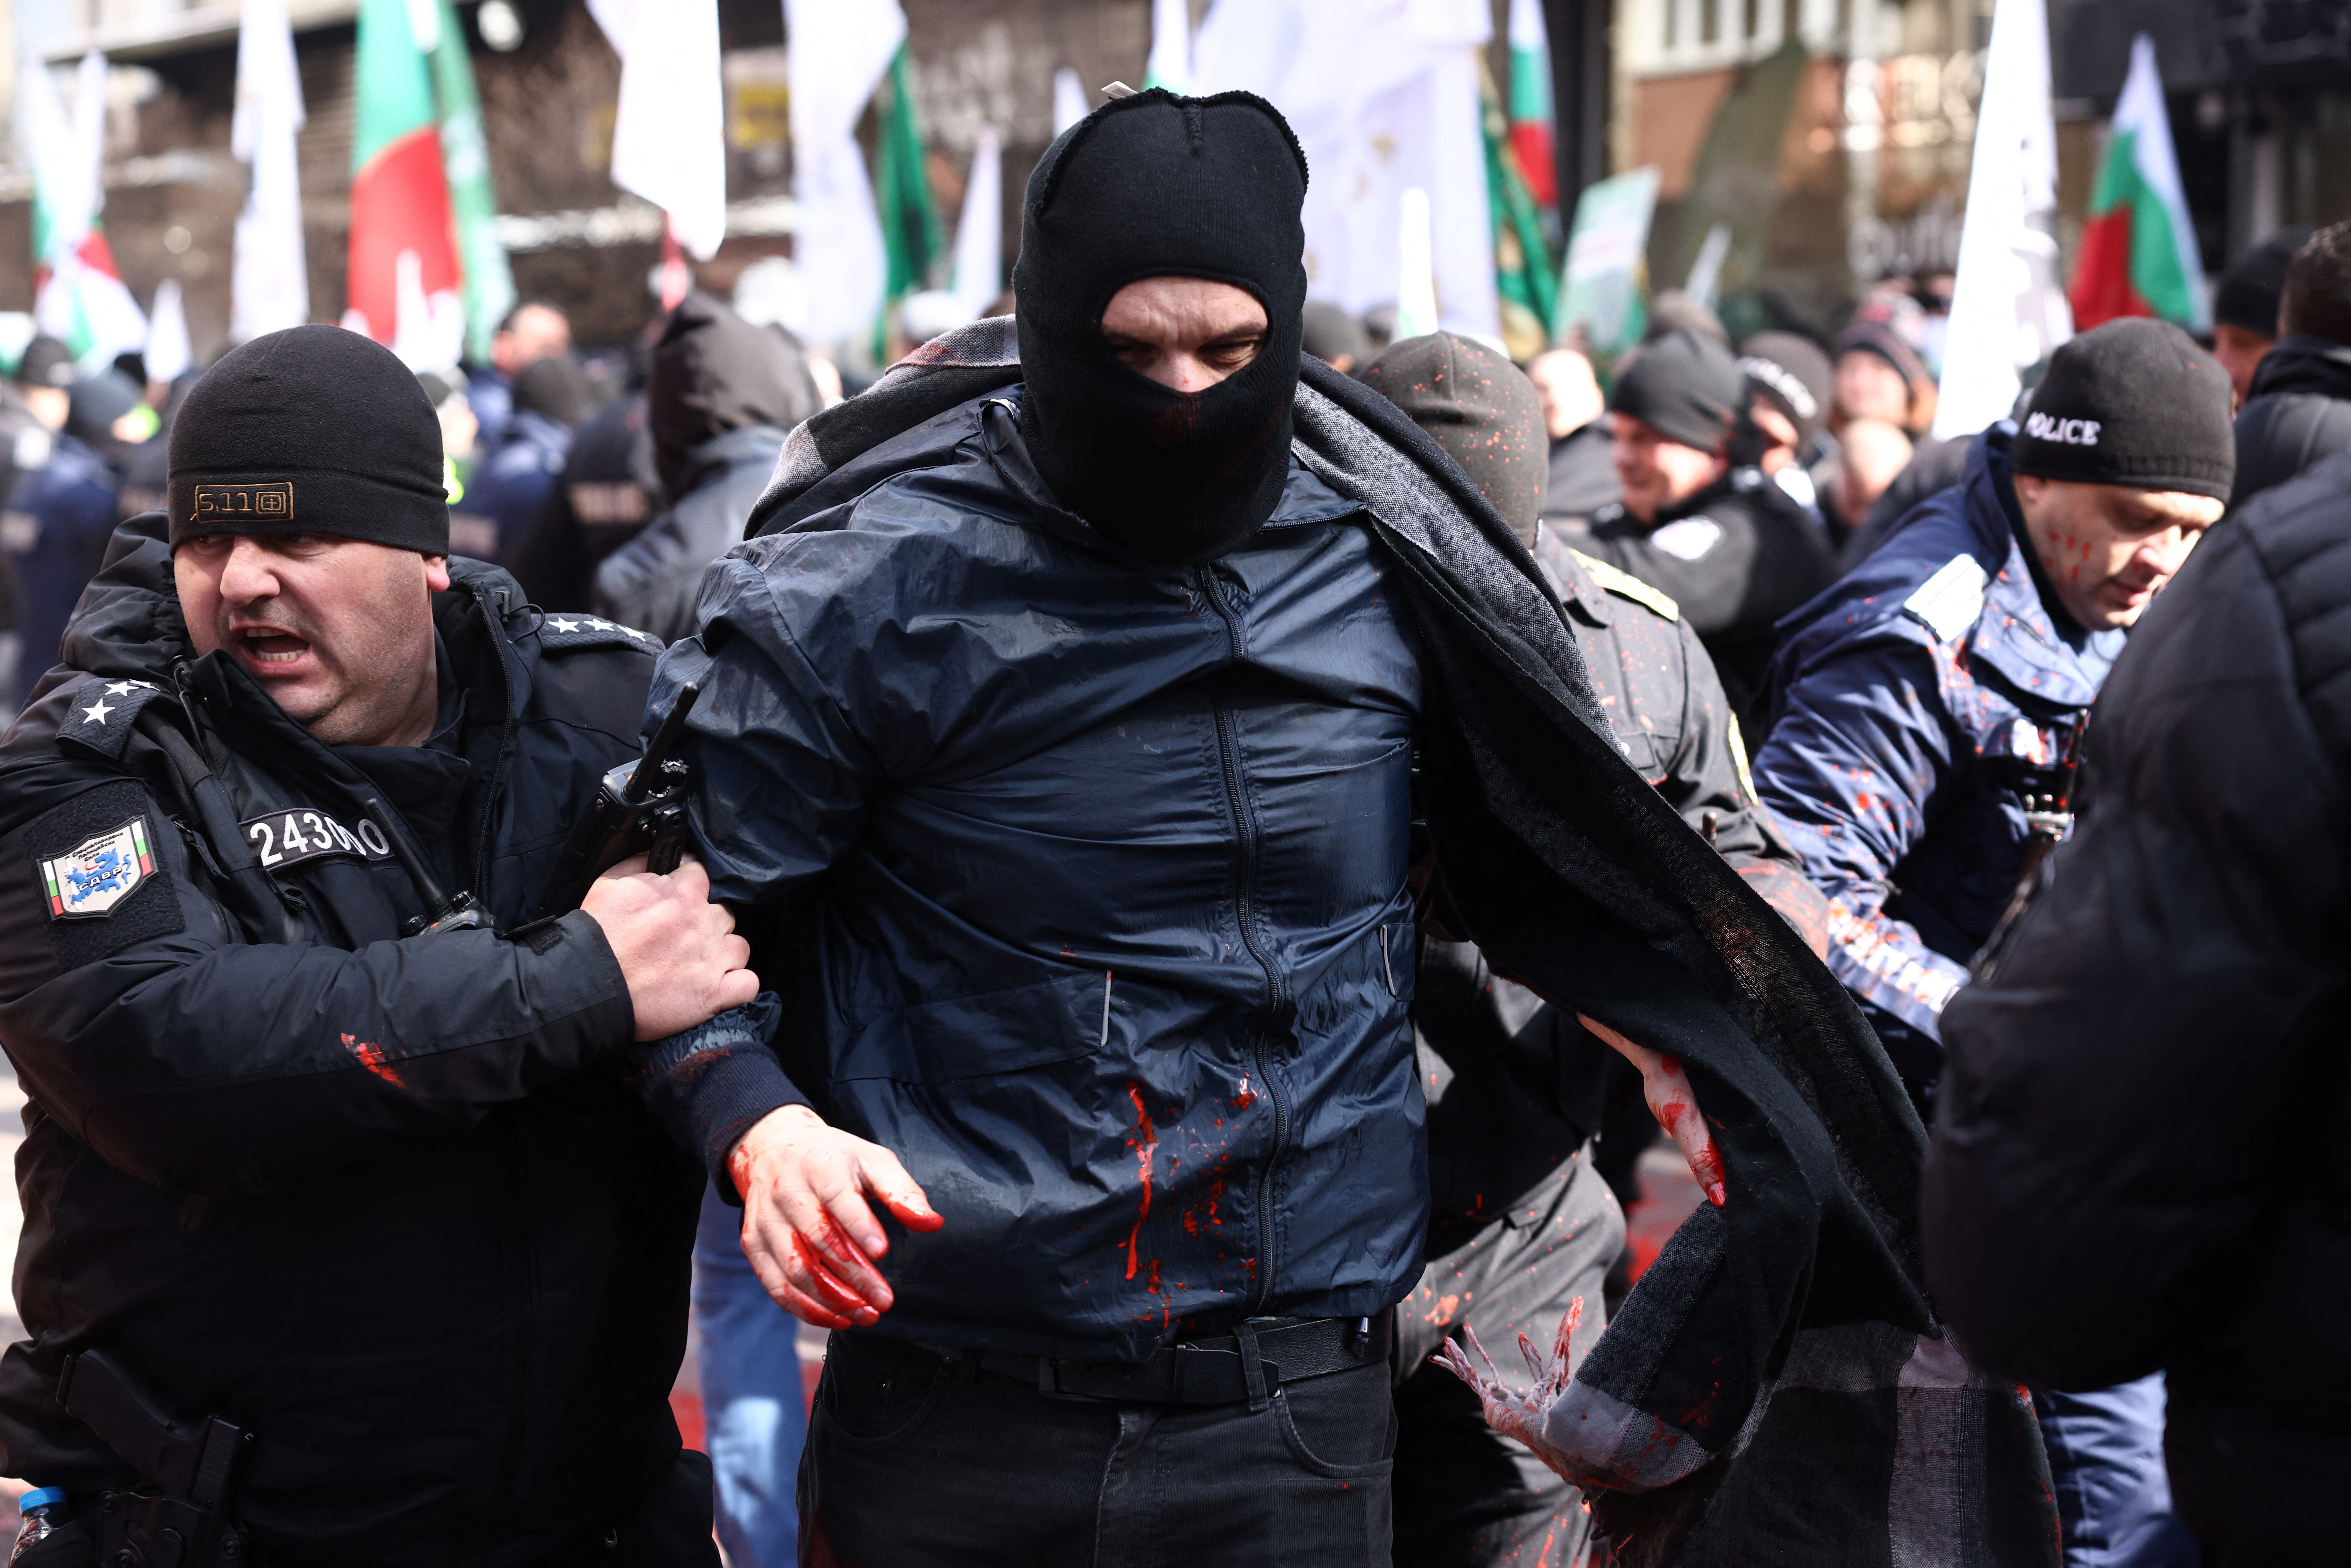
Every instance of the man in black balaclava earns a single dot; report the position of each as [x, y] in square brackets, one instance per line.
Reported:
[1057, 734]
[721, 395]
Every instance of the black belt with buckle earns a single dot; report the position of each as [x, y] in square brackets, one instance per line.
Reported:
[1249, 1363]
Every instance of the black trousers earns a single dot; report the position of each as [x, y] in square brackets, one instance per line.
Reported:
[1466, 1496]
[914, 1462]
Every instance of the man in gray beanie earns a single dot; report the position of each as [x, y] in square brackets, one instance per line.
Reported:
[346, 1238]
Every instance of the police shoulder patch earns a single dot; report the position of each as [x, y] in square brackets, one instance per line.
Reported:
[100, 872]
[99, 713]
[1949, 603]
[1690, 539]
[1625, 585]
[560, 633]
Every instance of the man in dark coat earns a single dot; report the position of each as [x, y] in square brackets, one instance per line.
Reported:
[1927, 716]
[1057, 733]
[59, 518]
[2245, 306]
[607, 491]
[2140, 1158]
[720, 398]
[1726, 545]
[329, 1138]
[511, 481]
[1522, 1227]
[2299, 410]
[1576, 417]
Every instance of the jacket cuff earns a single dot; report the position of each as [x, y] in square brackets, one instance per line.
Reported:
[706, 1086]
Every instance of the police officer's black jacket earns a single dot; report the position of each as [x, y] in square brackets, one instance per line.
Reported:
[386, 1201]
[1736, 557]
[2138, 1161]
[2299, 412]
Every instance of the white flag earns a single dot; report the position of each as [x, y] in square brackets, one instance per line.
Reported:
[979, 232]
[2008, 305]
[168, 355]
[1382, 96]
[1170, 65]
[840, 49]
[83, 304]
[269, 288]
[1068, 98]
[669, 136]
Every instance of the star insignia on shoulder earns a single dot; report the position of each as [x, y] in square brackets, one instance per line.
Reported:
[96, 713]
[561, 624]
[124, 688]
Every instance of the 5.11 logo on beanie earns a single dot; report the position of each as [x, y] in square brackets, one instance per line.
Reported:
[243, 503]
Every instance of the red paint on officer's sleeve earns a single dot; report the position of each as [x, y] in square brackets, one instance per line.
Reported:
[371, 1056]
[1144, 1143]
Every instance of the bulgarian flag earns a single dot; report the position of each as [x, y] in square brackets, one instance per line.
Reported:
[2138, 254]
[1525, 277]
[404, 283]
[1531, 133]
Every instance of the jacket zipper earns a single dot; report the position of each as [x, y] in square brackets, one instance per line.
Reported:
[1245, 832]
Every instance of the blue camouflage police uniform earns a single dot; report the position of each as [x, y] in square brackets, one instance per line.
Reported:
[54, 531]
[1918, 710]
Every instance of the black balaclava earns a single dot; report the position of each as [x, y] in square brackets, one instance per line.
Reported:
[1157, 185]
[313, 430]
[712, 372]
[1482, 410]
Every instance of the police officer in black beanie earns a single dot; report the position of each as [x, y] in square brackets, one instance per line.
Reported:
[1929, 712]
[327, 1144]
[1734, 550]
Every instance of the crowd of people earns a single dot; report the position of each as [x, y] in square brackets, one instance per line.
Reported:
[1213, 842]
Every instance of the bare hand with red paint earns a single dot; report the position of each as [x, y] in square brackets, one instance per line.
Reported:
[1508, 1411]
[1673, 1104]
[807, 1230]
[678, 951]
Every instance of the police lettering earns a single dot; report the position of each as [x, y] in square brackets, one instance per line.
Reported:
[2069, 432]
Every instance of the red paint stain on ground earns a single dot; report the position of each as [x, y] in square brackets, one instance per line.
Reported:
[371, 1056]
[1144, 1143]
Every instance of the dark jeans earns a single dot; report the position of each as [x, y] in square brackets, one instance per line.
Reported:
[1466, 1496]
[914, 1462]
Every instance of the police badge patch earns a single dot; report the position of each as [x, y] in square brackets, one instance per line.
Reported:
[88, 879]
[102, 876]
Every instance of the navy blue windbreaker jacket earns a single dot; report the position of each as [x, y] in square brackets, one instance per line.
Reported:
[1102, 871]
[504, 490]
[55, 532]
[1915, 704]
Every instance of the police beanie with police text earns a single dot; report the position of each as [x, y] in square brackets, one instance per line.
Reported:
[2135, 403]
[313, 430]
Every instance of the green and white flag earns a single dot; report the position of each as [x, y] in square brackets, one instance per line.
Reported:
[489, 289]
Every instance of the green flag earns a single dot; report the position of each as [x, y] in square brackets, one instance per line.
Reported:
[489, 289]
[910, 235]
[1524, 276]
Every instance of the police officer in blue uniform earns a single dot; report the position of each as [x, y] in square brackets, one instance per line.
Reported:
[1926, 717]
[59, 518]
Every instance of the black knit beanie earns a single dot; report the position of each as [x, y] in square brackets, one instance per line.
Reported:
[1793, 375]
[46, 362]
[2250, 292]
[1482, 410]
[1683, 384]
[1158, 185]
[2135, 403]
[313, 430]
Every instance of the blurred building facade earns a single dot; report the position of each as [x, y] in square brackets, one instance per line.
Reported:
[1821, 145]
